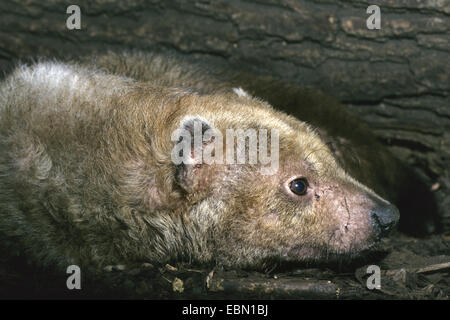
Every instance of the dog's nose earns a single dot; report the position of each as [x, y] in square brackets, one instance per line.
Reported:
[384, 218]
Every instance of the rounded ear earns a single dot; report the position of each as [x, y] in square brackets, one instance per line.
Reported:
[191, 138]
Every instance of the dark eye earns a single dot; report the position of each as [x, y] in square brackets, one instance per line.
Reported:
[299, 186]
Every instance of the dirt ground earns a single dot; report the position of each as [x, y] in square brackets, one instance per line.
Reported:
[411, 268]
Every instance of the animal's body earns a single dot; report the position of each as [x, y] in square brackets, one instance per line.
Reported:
[87, 175]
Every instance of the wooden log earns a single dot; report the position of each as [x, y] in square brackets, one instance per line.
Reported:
[270, 288]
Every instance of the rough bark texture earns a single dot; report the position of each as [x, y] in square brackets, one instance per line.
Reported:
[397, 79]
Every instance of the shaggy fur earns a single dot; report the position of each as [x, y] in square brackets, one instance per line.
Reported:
[86, 175]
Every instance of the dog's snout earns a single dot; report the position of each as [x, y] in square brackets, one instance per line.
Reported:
[384, 217]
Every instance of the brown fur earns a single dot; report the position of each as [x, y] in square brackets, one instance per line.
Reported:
[86, 175]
